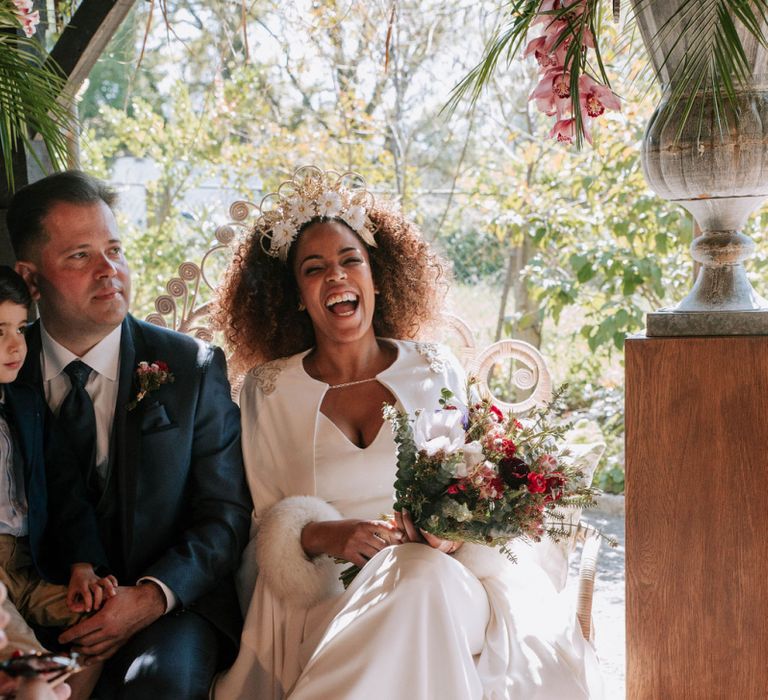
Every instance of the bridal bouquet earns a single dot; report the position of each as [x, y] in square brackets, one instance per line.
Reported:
[476, 475]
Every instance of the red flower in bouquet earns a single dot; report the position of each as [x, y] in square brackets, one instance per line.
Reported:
[514, 472]
[537, 483]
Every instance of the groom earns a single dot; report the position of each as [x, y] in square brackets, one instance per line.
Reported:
[165, 474]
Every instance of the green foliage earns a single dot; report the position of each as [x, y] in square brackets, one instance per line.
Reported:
[591, 396]
[29, 92]
[475, 254]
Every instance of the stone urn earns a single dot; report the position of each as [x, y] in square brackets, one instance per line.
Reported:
[714, 164]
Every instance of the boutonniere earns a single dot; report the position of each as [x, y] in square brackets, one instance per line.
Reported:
[150, 377]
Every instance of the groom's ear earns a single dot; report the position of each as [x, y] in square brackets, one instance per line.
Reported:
[28, 271]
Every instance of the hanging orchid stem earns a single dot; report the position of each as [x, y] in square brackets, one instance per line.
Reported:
[716, 61]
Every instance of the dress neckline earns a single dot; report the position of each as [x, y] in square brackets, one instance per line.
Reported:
[342, 435]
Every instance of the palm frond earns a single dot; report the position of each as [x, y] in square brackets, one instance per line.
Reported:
[508, 40]
[29, 92]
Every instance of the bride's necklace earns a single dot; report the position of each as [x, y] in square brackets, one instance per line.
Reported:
[358, 381]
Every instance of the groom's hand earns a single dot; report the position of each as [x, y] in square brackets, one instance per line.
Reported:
[133, 608]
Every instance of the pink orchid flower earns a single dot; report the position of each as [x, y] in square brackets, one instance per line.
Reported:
[29, 23]
[564, 130]
[595, 98]
[548, 7]
[544, 55]
[553, 93]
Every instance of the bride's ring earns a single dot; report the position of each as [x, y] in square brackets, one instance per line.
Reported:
[378, 536]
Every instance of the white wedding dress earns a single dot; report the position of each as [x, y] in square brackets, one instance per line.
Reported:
[415, 623]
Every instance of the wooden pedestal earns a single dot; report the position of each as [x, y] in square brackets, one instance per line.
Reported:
[697, 518]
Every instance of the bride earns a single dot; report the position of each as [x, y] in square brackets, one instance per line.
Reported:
[324, 299]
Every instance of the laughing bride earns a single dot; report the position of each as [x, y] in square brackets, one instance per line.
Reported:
[323, 301]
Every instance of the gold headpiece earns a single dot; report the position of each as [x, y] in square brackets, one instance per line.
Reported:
[312, 193]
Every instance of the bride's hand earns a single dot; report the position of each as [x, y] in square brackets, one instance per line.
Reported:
[352, 540]
[405, 523]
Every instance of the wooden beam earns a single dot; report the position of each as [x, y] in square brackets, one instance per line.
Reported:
[86, 36]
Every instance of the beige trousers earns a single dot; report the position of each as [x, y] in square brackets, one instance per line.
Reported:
[29, 597]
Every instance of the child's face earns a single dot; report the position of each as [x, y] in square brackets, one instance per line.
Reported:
[13, 347]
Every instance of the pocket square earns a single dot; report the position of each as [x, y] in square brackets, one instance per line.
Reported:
[155, 418]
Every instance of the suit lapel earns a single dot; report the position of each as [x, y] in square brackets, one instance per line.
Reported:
[126, 435]
[27, 425]
[31, 371]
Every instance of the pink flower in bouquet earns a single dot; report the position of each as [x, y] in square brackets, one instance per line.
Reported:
[537, 483]
[489, 483]
[547, 463]
[596, 98]
[493, 438]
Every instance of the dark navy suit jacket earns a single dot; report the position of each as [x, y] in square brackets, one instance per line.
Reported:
[71, 533]
[182, 504]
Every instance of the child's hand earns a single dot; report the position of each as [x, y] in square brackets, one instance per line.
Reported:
[86, 590]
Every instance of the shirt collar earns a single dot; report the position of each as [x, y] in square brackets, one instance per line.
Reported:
[104, 357]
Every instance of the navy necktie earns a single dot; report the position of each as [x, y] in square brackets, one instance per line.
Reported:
[77, 419]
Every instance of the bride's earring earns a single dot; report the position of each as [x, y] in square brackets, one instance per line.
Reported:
[301, 306]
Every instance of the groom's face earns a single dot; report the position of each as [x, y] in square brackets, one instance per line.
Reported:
[79, 275]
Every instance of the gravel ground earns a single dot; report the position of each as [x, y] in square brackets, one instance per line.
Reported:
[608, 602]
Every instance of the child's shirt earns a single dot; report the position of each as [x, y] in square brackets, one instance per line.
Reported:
[13, 499]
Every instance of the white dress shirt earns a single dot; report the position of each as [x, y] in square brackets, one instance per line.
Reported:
[104, 359]
[102, 385]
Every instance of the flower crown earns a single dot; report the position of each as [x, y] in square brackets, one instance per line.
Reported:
[311, 193]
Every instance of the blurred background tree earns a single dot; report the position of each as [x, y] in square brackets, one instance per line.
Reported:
[566, 249]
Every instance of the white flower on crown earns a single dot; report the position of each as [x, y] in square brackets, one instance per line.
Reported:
[283, 233]
[355, 217]
[329, 204]
[301, 210]
[311, 193]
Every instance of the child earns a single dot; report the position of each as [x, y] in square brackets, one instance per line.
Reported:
[24, 502]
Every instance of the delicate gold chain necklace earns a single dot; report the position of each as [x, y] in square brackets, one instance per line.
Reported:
[358, 381]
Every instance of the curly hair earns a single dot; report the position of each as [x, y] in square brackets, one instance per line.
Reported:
[258, 301]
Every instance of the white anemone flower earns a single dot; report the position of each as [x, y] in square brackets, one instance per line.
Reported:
[355, 217]
[438, 431]
[301, 210]
[329, 204]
